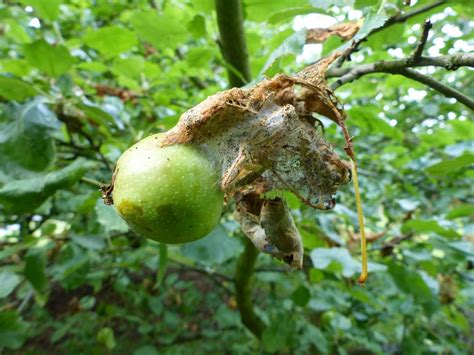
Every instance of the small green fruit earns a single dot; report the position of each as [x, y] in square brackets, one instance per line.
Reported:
[169, 194]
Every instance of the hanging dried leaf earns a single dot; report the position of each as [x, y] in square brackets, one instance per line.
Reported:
[345, 30]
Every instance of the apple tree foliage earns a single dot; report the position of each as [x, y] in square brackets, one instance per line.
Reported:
[82, 80]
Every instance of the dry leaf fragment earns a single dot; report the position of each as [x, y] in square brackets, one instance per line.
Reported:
[345, 30]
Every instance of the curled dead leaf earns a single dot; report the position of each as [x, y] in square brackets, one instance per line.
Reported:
[345, 30]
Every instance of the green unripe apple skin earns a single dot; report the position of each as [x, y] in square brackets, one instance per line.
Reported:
[168, 194]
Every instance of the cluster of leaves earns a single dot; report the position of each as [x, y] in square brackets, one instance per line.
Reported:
[73, 277]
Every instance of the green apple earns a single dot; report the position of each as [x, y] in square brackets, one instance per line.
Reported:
[169, 194]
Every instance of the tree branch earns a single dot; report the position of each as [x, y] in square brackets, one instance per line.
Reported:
[232, 40]
[401, 67]
[421, 45]
[234, 50]
[403, 17]
[243, 273]
[400, 18]
[440, 87]
[449, 62]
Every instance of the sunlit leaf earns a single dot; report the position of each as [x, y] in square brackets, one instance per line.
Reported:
[111, 40]
[53, 60]
[289, 14]
[15, 89]
[463, 210]
[48, 9]
[27, 194]
[425, 226]
[9, 281]
[291, 46]
[447, 166]
[160, 30]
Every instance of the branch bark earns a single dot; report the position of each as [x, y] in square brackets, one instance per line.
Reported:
[402, 66]
[421, 45]
[244, 271]
[440, 87]
[449, 62]
[234, 50]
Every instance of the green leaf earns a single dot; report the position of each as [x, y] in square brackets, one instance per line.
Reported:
[52, 60]
[17, 67]
[323, 257]
[424, 226]
[96, 114]
[258, 10]
[111, 40]
[12, 330]
[316, 337]
[8, 281]
[371, 21]
[97, 67]
[35, 271]
[315, 275]
[274, 337]
[204, 250]
[199, 57]
[16, 248]
[15, 89]
[410, 282]
[447, 166]
[106, 336]
[463, 130]
[26, 141]
[463, 210]
[15, 31]
[292, 45]
[47, 9]
[465, 247]
[91, 242]
[197, 26]
[25, 195]
[131, 67]
[146, 350]
[301, 296]
[339, 321]
[160, 30]
[109, 219]
[290, 13]
[366, 117]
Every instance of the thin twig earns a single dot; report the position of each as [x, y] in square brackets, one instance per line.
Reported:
[92, 181]
[391, 21]
[435, 84]
[421, 44]
[401, 67]
[449, 62]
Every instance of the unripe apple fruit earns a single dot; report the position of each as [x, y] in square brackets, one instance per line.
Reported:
[169, 194]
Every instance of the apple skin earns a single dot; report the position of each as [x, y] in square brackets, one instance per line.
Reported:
[169, 194]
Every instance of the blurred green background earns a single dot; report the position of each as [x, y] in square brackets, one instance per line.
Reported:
[82, 80]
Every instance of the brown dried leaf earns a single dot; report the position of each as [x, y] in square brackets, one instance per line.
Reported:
[345, 30]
